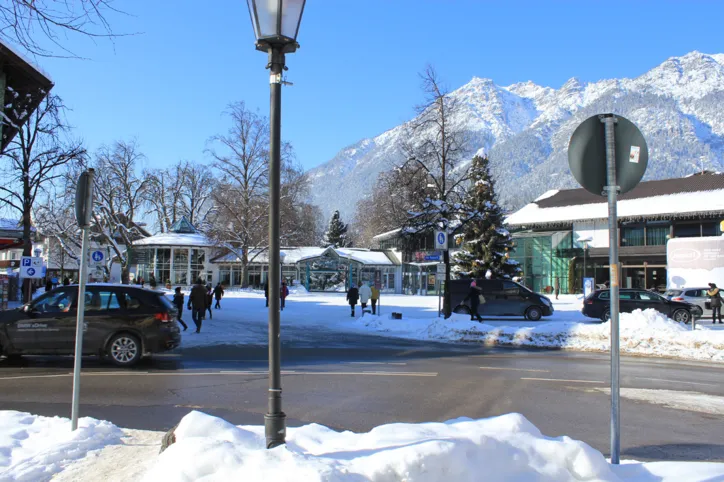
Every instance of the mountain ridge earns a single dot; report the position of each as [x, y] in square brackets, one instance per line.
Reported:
[525, 127]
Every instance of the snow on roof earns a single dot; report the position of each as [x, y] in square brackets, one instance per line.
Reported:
[547, 194]
[9, 224]
[386, 235]
[175, 239]
[295, 255]
[670, 204]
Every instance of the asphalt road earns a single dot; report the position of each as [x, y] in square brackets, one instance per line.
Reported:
[357, 382]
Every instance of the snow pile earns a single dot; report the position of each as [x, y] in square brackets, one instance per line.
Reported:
[34, 447]
[508, 447]
[641, 332]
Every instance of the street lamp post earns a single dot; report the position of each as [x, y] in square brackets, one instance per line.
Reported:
[276, 25]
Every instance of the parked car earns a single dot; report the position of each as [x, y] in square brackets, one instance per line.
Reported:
[502, 298]
[597, 305]
[122, 322]
[696, 296]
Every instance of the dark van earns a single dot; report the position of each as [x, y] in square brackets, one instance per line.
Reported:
[122, 322]
[502, 298]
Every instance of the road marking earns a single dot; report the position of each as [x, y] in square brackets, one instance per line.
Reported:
[376, 363]
[515, 369]
[677, 381]
[37, 376]
[561, 380]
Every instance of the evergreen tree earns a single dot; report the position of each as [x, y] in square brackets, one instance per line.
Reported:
[485, 241]
[336, 234]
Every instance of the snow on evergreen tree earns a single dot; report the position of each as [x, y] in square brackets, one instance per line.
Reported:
[485, 241]
[336, 234]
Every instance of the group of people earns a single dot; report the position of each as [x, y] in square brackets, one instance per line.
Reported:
[151, 281]
[200, 300]
[283, 293]
[364, 295]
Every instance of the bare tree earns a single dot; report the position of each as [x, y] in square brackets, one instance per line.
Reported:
[196, 194]
[164, 195]
[119, 194]
[55, 219]
[436, 152]
[32, 160]
[33, 23]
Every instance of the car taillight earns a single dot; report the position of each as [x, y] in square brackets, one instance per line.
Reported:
[589, 301]
[678, 298]
[163, 317]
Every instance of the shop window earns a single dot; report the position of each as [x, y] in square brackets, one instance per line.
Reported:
[687, 230]
[656, 235]
[709, 229]
[632, 236]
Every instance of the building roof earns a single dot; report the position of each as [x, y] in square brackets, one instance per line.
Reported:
[295, 255]
[176, 239]
[697, 195]
[26, 86]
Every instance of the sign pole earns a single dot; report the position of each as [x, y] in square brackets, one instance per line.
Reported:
[84, 195]
[609, 122]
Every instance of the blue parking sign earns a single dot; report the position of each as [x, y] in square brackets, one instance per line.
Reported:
[27, 261]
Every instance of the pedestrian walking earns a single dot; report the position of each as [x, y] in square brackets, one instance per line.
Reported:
[152, 282]
[352, 297]
[558, 287]
[209, 300]
[365, 293]
[283, 293]
[178, 300]
[218, 294]
[716, 301]
[266, 293]
[48, 285]
[475, 296]
[374, 298]
[66, 281]
[197, 303]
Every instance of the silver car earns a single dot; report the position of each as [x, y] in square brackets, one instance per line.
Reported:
[695, 296]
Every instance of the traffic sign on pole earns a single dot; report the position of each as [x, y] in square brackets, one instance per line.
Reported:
[441, 240]
[608, 155]
[31, 267]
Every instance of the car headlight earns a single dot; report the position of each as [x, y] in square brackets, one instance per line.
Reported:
[547, 302]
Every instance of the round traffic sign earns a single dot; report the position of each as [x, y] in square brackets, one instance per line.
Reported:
[97, 256]
[440, 238]
[31, 271]
[587, 154]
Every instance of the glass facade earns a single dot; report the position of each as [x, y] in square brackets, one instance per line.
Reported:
[163, 265]
[632, 236]
[546, 261]
[656, 235]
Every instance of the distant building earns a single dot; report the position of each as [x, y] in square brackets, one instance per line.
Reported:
[549, 233]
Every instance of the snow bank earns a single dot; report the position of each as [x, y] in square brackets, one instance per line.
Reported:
[504, 448]
[508, 447]
[642, 332]
[33, 448]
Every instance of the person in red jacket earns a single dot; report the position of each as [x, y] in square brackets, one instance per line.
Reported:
[284, 292]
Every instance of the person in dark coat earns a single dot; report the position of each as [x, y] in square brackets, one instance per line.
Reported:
[218, 294]
[209, 300]
[283, 293]
[178, 300]
[715, 295]
[352, 297]
[197, 303]
[266, 293]
[66, 281]
[152, 282]
[48, 285]
[474, 298]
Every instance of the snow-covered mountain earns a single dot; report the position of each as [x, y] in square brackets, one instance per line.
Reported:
[525, 129]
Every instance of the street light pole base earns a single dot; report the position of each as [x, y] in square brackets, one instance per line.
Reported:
[275, 429]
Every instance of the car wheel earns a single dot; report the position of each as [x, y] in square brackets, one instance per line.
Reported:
[533, 313]
[461, 310]
[682, 316]
[124, 350]
[606, 316]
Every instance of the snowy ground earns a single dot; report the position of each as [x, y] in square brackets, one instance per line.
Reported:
[243, 318]
[504, 448]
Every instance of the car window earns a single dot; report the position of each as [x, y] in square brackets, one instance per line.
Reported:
[673, 293]
[166, 303]
[646, 296]
[627, 295]
[510, 288]
[54, 302]
[604, 295]
[696, 293]
[100, 300]
[131, 301]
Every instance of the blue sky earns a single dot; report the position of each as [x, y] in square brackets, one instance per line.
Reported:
[356, 74]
